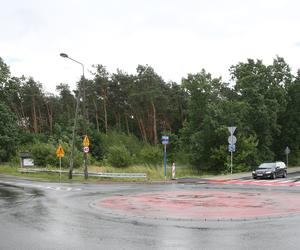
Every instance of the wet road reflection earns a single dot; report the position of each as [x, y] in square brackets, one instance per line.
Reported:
[62, 217]
[11, 196]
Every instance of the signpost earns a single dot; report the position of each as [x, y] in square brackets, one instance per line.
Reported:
[86, 141]
[232, 139]
[231, 130]
[86, 149]
[231, 147]
[60, 153]
[287, 151]
[165, 141]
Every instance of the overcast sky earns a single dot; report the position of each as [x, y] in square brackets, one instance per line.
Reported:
[175, 37]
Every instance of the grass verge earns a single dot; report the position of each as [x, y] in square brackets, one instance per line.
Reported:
[153, 173]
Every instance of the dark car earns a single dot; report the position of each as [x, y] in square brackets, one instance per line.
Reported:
[270, 170]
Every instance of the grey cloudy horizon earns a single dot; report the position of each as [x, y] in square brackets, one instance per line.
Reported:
[175, 37]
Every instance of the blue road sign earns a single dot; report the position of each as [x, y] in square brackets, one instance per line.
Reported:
[231, 147]
[165, 139]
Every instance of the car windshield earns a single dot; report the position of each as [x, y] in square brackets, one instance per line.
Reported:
[267, 165]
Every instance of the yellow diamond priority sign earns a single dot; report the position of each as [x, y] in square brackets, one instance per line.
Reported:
[60, 152]
[86, 141]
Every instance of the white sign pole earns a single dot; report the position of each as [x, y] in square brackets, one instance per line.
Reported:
[231, 141]
[165, 161]
[60, 169]
[231, 161]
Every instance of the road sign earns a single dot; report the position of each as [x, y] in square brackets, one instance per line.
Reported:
[232, 139]
[165, 139]
[287, 150]
[86, 141]
[231, 130]
[60, 152]
[86, 149]
[231, 147]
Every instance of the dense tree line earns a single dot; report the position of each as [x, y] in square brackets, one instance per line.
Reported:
[260, 100]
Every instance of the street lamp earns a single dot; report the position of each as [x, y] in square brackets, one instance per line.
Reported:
[66, 56]
[76, 118]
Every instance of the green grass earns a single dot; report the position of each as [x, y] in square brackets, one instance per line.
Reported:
[13, 171]
[10, 170]
[154, 173]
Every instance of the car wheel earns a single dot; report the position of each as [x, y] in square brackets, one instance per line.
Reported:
[284, 174]
[274, 176]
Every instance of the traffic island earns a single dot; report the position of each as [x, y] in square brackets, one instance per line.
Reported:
[203, 205]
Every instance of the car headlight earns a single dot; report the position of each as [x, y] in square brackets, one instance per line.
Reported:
[268, 172]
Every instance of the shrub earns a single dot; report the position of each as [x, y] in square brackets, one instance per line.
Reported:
[97, 145]
[150, 155]
[131, 142]
[43, 154]
[245, 156]
[9, 133]
[78, 157]
[118, 156]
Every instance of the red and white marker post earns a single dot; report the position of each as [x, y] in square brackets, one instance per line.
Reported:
[173, 171]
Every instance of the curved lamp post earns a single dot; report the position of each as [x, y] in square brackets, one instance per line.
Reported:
[75, 120]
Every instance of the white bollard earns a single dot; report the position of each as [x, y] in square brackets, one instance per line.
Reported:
[173, 171]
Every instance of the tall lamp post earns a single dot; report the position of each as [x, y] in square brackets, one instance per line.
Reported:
[75, 120]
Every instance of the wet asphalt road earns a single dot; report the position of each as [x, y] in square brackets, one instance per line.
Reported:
[39, 215]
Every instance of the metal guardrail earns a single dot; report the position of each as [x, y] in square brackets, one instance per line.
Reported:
[117, 175]
[107, 175]
[35, 170]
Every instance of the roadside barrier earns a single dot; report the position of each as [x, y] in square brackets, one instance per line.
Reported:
[107, 175]
[119, 175]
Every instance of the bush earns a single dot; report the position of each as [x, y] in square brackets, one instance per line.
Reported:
[114, 138]
[118, 156]
[43, 154]
[150, 155]
[9, 133]
[78, 157]
[294, 158]
[245, 156]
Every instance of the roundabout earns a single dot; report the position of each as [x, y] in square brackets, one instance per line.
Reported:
[203, 205]
[148, 216]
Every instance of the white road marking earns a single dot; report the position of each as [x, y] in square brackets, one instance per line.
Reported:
[58, 188]
[289, 182]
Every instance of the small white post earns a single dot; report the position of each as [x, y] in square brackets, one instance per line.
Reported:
[60, 169]
[173, 171]
[231, 162]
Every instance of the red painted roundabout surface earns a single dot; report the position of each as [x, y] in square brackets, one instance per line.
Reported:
[204, 204]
